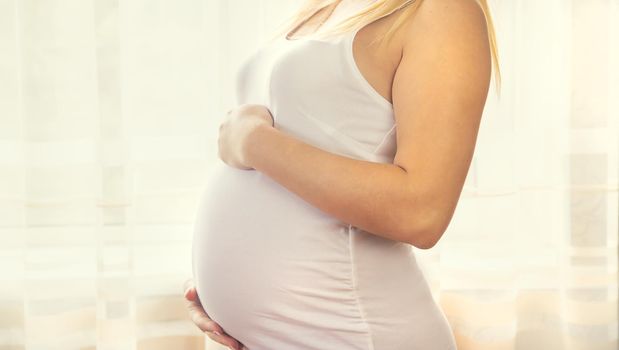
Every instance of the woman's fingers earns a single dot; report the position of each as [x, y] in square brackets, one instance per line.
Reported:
[191, 294]
[201, 319]
[189, 290]
[224, 339]
[210, 327]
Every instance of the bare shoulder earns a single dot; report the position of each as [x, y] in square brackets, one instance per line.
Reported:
[447, 40]
[446, 20]
[451, 14]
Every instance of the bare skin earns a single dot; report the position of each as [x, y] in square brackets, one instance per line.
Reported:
[201, 319]
[436, 72]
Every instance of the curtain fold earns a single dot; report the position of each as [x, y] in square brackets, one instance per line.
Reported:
[108, 124]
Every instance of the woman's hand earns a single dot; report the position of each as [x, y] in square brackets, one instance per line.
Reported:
[233, 132]
[204, 322]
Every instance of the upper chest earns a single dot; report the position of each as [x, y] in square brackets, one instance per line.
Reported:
[376, 62]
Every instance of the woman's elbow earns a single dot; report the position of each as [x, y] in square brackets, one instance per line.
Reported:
[423, 232]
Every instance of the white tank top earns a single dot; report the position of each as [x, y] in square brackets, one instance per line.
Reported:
[316, 93]
[274, 271]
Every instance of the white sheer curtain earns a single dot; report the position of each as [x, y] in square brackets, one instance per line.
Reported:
[108, 123]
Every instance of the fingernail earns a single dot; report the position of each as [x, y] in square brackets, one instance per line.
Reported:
[217, 333]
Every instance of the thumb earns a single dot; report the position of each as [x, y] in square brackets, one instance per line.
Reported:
[190, 290]
[191, 294]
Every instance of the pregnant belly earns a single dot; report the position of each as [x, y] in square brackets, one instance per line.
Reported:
[264, 258]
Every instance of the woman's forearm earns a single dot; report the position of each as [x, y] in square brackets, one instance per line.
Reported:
[375, 197]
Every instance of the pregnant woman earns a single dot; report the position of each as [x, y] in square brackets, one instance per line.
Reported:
[344, 153]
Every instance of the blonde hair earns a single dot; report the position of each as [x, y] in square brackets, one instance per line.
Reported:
[377, 10]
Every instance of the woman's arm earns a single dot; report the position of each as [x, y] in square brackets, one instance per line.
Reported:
[439, 92]
[371, 196]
